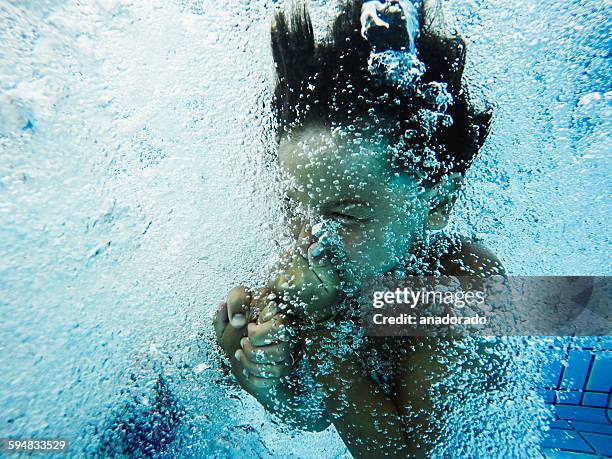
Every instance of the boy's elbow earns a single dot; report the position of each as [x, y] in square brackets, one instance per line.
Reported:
[318, 426]
[311, 425]
[299, 419]
[473, 259]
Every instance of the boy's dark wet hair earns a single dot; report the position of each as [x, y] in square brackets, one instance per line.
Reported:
[330, 82]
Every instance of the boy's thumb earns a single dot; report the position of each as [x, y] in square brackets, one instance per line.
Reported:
[238, 301]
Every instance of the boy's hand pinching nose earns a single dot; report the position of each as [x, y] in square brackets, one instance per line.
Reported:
[307, 280]
[253, 327]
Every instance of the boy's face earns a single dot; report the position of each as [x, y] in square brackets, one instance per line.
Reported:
[346, 177]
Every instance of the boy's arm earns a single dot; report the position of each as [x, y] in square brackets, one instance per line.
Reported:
[284, 401]
[430, 362]
[270, 384]
[370, 422]
[429, 389]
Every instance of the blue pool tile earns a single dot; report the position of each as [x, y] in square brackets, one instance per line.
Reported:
[600, 378]
[551, 373]
[556, 454]
[601, 443]
[595, 399]
[604, 343]
[566, 440]
[548, 395]
[577, 369]
[582, 426]
[568, 397]
[582, 413]
[560, 424]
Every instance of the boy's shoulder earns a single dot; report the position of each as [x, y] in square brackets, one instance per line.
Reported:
[468, 257]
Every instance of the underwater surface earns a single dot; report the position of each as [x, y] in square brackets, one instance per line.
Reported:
[134, 194]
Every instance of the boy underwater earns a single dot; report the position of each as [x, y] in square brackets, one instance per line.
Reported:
[375, 132]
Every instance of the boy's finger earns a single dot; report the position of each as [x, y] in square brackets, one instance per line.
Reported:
[269, 332]
[238, 301]
[273, 353]
[261, 370]
[258, 303]
[220, 319]
[284, 280]
[268, 312]
[305, 238]
[230, 340]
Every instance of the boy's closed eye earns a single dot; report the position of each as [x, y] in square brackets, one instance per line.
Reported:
[350, 212]
[346, 218]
